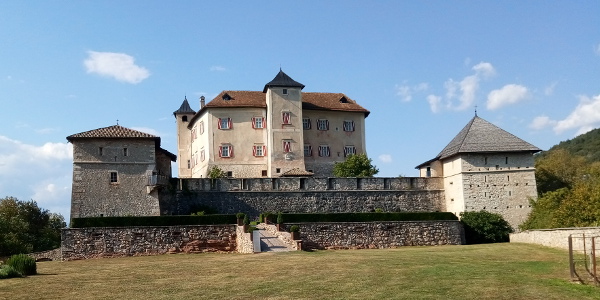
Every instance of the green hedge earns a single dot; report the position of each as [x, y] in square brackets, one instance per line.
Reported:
[368, 217]
[152, 221]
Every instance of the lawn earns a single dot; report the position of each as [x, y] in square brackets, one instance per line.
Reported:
[497, 271]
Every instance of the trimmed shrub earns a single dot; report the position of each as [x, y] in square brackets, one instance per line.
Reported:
[22, 263]
[295, 228]
[246, 220]
[240, 215]
[279, 218]
[152, 221]
[483, 227]
[8, 272]
[369, 217]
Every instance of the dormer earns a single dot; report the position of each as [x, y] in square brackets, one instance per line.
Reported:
[343, 100]
[226, 97]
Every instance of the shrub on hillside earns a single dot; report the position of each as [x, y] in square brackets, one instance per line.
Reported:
[8, 272]
[22, 263]
[485, 227]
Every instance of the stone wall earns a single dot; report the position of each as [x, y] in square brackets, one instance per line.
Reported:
[243, 241]
[556, 238]
[305, 195]
[378, 235]
[54, 254]
[97, 242]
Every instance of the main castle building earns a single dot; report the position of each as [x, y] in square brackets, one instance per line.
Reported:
[280, 131]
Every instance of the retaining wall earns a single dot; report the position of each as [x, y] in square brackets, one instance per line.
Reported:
[556, 238]
[379, 235]
[96, 242]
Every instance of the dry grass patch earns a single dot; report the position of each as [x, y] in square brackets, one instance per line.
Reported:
[498, 271]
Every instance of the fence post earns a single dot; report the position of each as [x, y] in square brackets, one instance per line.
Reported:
[571, 262]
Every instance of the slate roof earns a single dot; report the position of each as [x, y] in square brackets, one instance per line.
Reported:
[184, 108]
[310, 101]
[282, 80]
[115, 131]
[482, 136]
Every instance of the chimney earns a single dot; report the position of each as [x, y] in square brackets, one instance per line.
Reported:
[202, 102]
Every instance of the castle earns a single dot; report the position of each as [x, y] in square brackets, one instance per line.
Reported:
[278, 148]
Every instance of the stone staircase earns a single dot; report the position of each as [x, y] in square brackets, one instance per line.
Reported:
[272, 240]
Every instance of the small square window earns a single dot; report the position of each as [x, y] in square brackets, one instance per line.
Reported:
[229, 174]
[114, 177]
[100, 151]
[125, 152]
[307, 150]
[263, 173]
[348, 126]
[306, 123]
[285, 91]
[277, 170]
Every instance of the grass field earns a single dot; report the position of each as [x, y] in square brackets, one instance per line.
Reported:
[497, 271]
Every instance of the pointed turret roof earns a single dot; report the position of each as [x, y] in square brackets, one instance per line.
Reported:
[184, 108]
[482, 136]
[282, 80]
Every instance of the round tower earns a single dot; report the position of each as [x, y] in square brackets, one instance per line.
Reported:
[183, 116]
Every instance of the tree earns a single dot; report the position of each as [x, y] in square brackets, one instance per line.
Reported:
[358, 165]
[25, 227]
[485, 227]
[216, 172]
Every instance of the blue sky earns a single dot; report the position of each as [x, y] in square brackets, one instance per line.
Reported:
[530, 67]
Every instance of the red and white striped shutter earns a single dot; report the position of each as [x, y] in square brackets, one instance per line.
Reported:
[326, 124]
[327, 147]
[219, 125]
[264, 124]
[253, 150]
[320, 150]
[345, 151]
[264, 150]
[229, 123]
[309, 150]
[253, 122]
[230, 150]
[220, 151]
[353, 127]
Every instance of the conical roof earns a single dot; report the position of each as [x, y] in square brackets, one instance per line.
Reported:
[482, 136]
[115, 131]
[282, 80]
[184, 108]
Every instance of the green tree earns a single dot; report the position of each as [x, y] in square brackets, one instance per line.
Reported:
[358, 165]
[25, 227]
[485, 227]
[216, 172]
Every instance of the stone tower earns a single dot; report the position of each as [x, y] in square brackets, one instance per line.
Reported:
[183, 116]
[284, 124]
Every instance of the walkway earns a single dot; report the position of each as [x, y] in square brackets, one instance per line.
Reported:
[270, 242]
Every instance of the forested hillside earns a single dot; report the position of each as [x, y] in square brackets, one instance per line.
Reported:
[568, 181]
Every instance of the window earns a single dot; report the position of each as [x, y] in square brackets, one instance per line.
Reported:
[286, 117]
[189, 164]
[194, 133]
[324, 151]
[285, 91]
[259, 150]
[287, 146]
[263, 173]
[229, 173]
[323, 124]
[226, 151]
[428, 174]
[184, 118]
[125, 152]
[202, 156]
[307, 150]
[201, 127]
[306, 123]
[349, 125]
[349, 150]
[100, 151]
[258, 122]
[226, 97]
[225, 123]
[506, 160]
[277, 170]
[485, 160]
[114, 177]
[194, 155]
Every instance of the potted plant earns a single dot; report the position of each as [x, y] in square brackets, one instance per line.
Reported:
[240, 218]
[246, 223]
[266, 217]
[249, 230]
[295, 232]
[279, 221]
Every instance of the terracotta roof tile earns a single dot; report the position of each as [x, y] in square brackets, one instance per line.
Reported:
[296, 172]
[114, 131]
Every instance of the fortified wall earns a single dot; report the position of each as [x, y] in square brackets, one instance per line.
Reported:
[303, 195]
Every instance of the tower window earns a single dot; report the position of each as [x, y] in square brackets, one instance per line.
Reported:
[100, 151]
[184, 118]
[125, 152]
[285, 92]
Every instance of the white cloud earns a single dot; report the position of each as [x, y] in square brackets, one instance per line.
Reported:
[218, 69]
[468, 87]
[434, 103]
[549, 90]
[406, 91]
[541, 122]
[119, 66]
[386, 158]
[585, 117]
[41, 173]
[508, 94]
